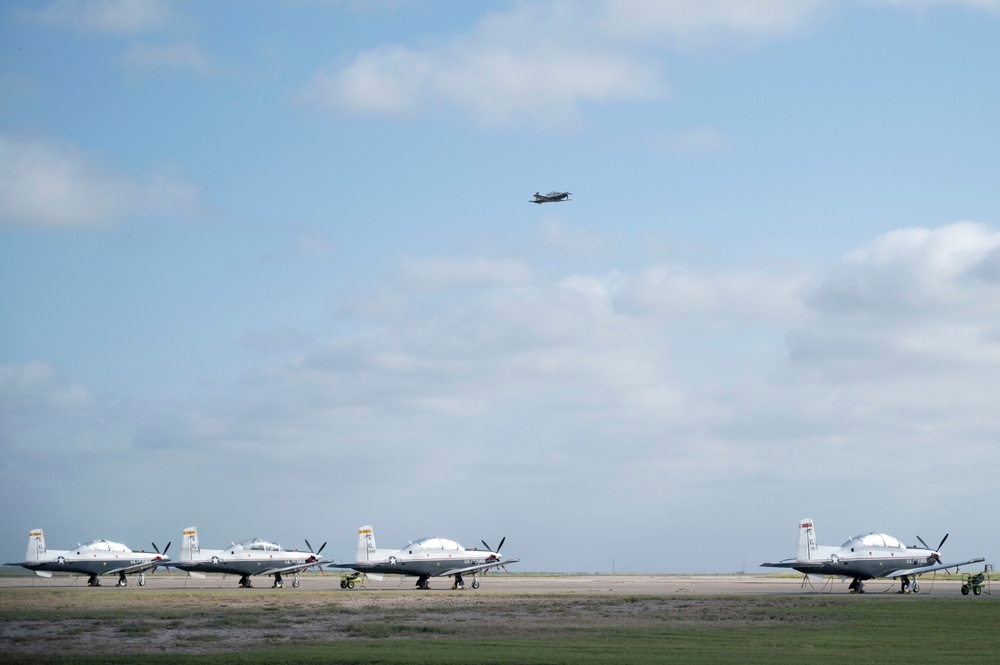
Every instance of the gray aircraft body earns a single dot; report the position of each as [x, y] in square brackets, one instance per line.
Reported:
[246, 558]
[865, 557]
[94, 558]
[423, 559]
[551, 197]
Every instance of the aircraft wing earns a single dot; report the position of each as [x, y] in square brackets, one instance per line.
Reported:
[931, 568]
[801, 565]
[294, 568]
[476, 568]
[135, 568]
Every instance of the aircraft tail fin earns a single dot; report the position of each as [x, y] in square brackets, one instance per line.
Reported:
[36, 546]
[190, 549]
[366, 544]
[807, 548]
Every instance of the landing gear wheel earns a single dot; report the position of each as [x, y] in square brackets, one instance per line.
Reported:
[475, 584]
[915, 587]
[295, 583]
[142, 579]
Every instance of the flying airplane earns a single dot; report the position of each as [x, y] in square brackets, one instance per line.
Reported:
[865, 557]
[424, 559]
[97, 557]
[245, 558]
[551, 197]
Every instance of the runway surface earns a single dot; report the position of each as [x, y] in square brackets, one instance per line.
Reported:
[654, 585]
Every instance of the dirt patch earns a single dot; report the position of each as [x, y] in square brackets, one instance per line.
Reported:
[71, 621]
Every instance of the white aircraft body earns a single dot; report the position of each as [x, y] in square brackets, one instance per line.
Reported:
[423, 559]
[246, 558]
[551, 197]
[865, 557]
[97, 557]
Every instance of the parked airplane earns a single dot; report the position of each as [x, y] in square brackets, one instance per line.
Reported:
[246, 558]
[424, 559]
[865, 557]
[551, 197]
[98, 557]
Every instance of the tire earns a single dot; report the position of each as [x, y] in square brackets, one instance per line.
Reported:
[965, 589]
[977, 590]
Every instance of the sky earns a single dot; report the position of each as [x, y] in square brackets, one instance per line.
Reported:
[270, 269]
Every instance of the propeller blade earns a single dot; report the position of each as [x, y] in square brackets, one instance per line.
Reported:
[942, 542]
[169, 543]
[500, 546]
[486, 545]
[156, 549]
[316, 552]
[923, 543]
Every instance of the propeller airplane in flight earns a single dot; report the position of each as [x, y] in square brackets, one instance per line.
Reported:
[551, 197]
[424, 559]
[246, 558]
[94, 558]
[865, 557]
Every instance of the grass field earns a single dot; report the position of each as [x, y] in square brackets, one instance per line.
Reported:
[191, 626]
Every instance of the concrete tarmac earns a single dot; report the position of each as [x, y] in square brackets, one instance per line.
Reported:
[500, 583]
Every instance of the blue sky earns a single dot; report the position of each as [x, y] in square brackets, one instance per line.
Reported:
[271, 270]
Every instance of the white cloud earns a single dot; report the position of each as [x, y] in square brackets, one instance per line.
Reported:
[184, 56]
[114, 16]
[542, 63]
[695, 141]
[654, 390]
[46, 184]
[39, 385]
[520, 66]
[912, 269]
[988, 5]
[685, 21]
[440, 274]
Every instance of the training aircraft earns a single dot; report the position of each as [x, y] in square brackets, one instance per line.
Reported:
[98, 557]
[424, 559]
[865, 557]
[246, 558]
[551, 197]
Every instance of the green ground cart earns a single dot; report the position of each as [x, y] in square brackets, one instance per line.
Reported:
[348, 580]
[976, 582]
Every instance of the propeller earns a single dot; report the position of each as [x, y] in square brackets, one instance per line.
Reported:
[497, 550]
[163, 553]
[938, 549]
[317, 553]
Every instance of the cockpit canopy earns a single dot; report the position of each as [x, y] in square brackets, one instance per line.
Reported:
[104, 546]
[257, 545]
[434, 543]
[873, 539]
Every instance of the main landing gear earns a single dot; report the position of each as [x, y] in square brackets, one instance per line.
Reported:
[459, 583]
[857, 586]
[278, 584]
[422, 582]
[245, 582]
[122, 580]
[908, 585]
[93, 581]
